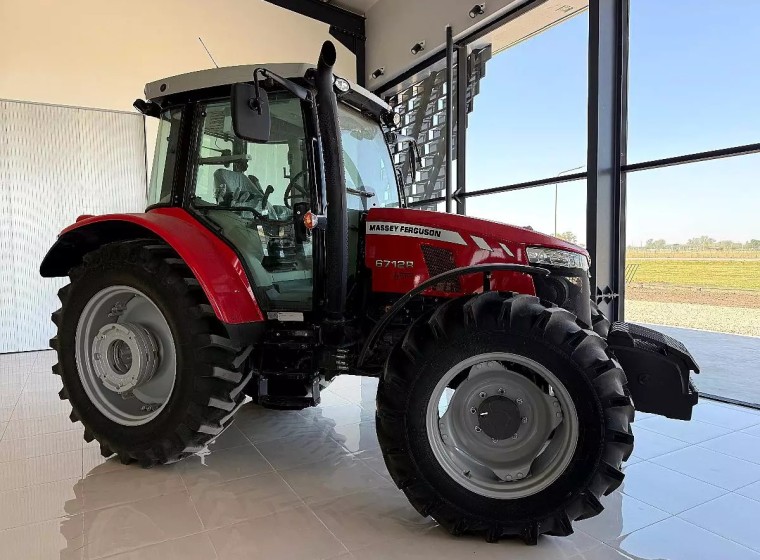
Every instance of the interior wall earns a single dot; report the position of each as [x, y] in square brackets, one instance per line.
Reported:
[56, 163]
[91, 53]
[95, 53]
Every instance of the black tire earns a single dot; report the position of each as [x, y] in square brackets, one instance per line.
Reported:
[211, 370]
[549, 335]
[599, 322]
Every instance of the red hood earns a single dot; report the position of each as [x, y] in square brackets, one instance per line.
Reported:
[490, 232]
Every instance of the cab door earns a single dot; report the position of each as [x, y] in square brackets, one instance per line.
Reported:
[254, 194]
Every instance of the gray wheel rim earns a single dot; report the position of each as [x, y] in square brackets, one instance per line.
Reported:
[507, 466]
[125, 355]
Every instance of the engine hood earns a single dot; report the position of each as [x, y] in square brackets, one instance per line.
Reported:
[406, 247]
[463, 230]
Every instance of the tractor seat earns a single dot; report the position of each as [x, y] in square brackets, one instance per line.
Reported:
[233, 188]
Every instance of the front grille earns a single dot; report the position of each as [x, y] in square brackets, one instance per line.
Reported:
[438, 261]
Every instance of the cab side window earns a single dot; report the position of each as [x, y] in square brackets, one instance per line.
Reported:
[250, 191]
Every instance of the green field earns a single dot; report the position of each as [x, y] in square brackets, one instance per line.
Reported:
[708, 273]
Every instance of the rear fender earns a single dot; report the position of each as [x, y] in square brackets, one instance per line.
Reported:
[215, 265]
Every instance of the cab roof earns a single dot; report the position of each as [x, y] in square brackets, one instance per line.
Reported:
[228, 75]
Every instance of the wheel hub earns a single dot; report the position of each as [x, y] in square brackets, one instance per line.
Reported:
[505, 431]
[124, 356]
[499, 417]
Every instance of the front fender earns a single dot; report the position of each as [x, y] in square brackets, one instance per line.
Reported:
[215, 265]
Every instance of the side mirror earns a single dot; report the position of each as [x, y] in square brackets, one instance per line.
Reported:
[250, 113]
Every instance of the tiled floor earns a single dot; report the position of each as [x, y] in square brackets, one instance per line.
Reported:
[312, 485]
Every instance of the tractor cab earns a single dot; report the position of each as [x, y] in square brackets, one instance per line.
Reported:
[256, 194]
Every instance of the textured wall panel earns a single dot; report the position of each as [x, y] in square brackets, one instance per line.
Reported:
[55, 164]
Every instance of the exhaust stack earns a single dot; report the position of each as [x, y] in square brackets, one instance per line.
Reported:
[337, 218]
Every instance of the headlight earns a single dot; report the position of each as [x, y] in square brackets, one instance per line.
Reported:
[342, 85]
[557, 257]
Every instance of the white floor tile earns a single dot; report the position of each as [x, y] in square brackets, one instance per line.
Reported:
[676, 539]
[322, 481]
[372, 517]
[715, 468]
[194, 547]
[37, 446]
[331, 416]
[236, 506]
[245, 498]
[128, 485]
[293, 535]
[357, 438]
[19, 429]
[648, 444]
[736, 444]
[622, 515]
[60, 538]
[33, 504]
[288, 453]
[666, 489]
[725, 417]
[276, 424]
[39, 470]
[601, 552]
[690, 432]
[438, 544]
[750, 491]
[731, 516]
[125, 527]
[222, 466]
[753, 431]
[5, 414]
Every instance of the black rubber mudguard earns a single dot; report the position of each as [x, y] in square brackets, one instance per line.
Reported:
[658, 370]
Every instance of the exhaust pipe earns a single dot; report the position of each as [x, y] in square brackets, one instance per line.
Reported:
[337, 218]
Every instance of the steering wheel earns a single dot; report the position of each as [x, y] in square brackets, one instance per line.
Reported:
[293, 186]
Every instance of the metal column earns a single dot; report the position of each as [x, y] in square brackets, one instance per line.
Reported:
[449, 131]
[605, 225]
[463, 75]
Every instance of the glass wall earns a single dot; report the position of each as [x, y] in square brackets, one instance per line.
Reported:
[558, 209]
[693, 243]
[693, 80]
[529, 117]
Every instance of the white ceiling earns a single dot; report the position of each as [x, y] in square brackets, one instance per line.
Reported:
[356, 6]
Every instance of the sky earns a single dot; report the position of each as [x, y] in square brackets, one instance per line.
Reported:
[694, 85]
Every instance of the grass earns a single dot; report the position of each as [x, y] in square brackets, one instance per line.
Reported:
[727, 273]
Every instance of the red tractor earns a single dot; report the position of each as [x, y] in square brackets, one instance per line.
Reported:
[276, 253]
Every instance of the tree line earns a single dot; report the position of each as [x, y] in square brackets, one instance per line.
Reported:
[701, 243]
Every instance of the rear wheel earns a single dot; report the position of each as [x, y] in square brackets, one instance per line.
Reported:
[145, 363]
[503, 416]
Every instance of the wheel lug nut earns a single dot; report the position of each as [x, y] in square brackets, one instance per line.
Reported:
[473, 410]
[494, 440]
[559, 415]
[514, 436]
[478, 429]
[508, 478]
[482, 395]
[519, 401]
[519, 476]
[501, 391]
[524, 419]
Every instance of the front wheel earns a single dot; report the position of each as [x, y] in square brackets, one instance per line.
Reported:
[501, 416]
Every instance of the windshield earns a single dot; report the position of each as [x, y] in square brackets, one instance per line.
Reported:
[370, 175]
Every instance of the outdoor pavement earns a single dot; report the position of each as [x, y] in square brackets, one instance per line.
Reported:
[729, 363]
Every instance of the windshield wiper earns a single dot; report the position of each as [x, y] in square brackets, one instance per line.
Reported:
[365, 194]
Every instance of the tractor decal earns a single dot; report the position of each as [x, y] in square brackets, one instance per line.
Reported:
[411, 230]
